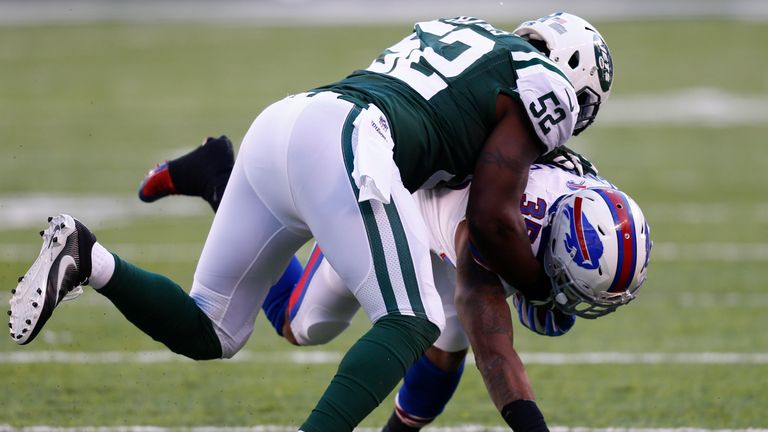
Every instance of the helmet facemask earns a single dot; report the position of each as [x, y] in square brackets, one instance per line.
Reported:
[574, 298]
[589, 104]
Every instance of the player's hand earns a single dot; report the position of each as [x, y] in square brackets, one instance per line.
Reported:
[542, 318]
[569, 160]
[569, 163]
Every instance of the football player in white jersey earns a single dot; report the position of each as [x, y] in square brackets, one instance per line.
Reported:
[456, 98]
[313, 307]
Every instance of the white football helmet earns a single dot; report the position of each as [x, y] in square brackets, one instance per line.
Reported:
[577, 48]
[597, 253]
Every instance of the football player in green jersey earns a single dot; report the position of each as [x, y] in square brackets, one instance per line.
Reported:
[312, 306]
[457, 98]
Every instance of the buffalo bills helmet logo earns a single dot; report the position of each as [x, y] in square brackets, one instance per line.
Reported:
[583, 242]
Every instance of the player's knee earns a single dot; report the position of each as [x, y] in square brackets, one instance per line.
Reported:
[318, 324]
[201, 342]
[288, 333]
[421, 332]
[316, 333]
[439, 323]
[230, 341]
[452, 337]
[445, 360]
[230, 335]
[231, 346]
[436, 316]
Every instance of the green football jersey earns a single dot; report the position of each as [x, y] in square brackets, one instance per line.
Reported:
[438, 88]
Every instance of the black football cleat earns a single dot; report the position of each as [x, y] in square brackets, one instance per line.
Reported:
[57, 275]
[203, 172]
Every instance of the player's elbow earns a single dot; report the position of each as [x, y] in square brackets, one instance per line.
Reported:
[489, 230]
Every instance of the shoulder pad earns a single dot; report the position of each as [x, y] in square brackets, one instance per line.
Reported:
[548, 97]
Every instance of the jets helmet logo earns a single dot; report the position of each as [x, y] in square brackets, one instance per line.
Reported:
[604, 63]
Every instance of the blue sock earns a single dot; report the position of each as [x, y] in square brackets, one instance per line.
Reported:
[277, 299]
[426, 390]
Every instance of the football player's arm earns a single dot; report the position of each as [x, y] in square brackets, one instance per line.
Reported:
[484, 314]
[497, 230]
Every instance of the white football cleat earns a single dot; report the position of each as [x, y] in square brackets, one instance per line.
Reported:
[57, 275]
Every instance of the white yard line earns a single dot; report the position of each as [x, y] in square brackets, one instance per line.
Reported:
[704, 107]
[186, 252]
[18, 211]
[30, 210]
[329, 357]
[156, 253]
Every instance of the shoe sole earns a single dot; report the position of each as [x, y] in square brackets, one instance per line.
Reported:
[35, 296]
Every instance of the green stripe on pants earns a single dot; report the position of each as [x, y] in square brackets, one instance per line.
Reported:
[376, 231]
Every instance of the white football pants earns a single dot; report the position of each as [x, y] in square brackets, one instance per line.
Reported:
[321, 306]
[291, 182]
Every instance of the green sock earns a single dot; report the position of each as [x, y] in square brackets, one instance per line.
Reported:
[369, 371]
[161, 309]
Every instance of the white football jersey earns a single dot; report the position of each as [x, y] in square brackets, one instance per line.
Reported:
[443, 209]
[327, 307]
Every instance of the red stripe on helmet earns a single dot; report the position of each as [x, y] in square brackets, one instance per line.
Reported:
[626, 241]
[579, 229]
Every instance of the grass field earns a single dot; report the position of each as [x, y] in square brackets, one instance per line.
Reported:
[86, 109]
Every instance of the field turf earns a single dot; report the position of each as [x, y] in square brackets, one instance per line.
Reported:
[86, 109]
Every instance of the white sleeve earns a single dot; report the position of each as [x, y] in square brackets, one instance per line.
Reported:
[548, 97]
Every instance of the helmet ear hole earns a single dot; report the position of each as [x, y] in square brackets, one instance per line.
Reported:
[573, 62]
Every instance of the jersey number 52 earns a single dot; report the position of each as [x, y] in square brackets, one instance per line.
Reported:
[540, 110]
[401, 60]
